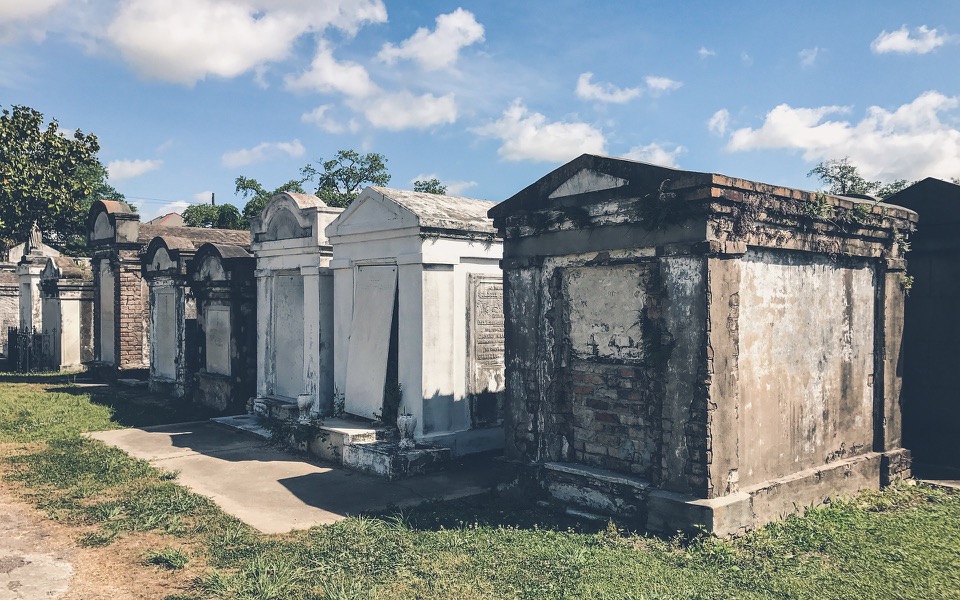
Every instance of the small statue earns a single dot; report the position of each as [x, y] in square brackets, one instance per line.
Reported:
[35, 241]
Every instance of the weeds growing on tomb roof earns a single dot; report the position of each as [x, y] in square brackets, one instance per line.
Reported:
[903, 542]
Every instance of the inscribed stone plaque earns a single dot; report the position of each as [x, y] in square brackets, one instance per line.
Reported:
[107, 325]
[217, 334]
[485, 361]
[164, 334]
[288, 335]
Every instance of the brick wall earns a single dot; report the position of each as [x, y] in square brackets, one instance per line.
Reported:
[131, 314]
[616, 417]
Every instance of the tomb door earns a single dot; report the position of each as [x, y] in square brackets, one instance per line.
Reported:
[288, 335]
[375, 292]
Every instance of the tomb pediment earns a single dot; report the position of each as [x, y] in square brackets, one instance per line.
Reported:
[588, 180]
[210, 269]
[290, 216]
[102, 229]
[372, 212]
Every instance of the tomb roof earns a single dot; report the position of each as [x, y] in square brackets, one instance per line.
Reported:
[64, 267]
[190, 238]
[439, 211]
[935, 200]
[592, 178]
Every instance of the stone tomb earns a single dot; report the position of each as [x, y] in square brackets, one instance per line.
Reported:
[173, 313]
[9, 303]
[418, 302]
[691, 349]
[121, 332]
[222, 281]
[66, 285]
[931, 407]
[29, 268]
[294, 306]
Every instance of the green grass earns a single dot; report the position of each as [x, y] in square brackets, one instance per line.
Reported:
[903, 542]
[173, 559]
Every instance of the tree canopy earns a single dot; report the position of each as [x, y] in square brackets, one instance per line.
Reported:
[257, 195]
[338, 183]
[223, 216]
[342, 176]
[430, 186]
[842, 178]
[47, 178]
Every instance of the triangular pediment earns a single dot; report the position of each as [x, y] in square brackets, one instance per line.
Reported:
[587, 180]
[372, 212]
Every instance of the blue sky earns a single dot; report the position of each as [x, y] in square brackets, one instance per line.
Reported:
[185, 95]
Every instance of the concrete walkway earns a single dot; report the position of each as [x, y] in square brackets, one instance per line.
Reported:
[276, 492]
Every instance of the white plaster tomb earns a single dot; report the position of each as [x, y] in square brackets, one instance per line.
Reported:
[418, 302]
[67, 288]
[294, 303]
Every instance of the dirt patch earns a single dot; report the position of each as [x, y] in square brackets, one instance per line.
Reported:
[40, 558]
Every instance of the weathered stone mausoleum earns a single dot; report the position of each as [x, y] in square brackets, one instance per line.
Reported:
[931, 407]
[66, 285]
[222, 281]
[693, 349]
[121, 319]
[173, 312]
[31, 265]
[418, 302]
[294, 305]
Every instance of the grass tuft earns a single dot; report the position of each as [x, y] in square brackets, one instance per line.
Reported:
[173, 559]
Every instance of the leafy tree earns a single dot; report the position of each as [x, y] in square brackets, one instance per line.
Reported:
[257, 195]
[338, 184]
[48, 179]
[430, 186]
[844, 178]
[224, 216]
[340, 181]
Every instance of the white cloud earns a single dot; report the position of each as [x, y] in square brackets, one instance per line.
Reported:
[324, 121]
[656, 154]
[909, 142]
[659, 85]
[403, 110]
[17, 10]
[718, 123]
[184, 41]
[529, 136]
[705, 52]
[604, 92]
[326, 74]
[440, 48]
[261, 152]
[128, 169]
[922, 41]
[745, 58]
[457, 188]
[808, 56]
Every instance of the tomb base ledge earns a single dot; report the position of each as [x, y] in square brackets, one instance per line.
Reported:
[634, 502]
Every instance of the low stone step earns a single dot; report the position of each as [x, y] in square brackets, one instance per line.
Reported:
[248, 423]
[389, 460]
[353, 443]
